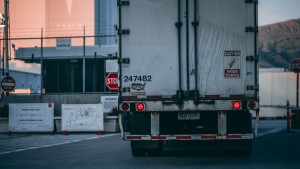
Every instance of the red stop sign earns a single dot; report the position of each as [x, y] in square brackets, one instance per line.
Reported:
[8, 84]
[112, 81]
[295, 65]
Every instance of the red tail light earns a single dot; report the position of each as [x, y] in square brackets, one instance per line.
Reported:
[236, 105]
[125, 106]
[251, 105]
[140, 106]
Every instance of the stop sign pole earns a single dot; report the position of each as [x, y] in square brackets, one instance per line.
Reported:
[295, 66]
[297, 95]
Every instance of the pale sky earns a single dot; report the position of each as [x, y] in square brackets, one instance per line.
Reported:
[273, 11]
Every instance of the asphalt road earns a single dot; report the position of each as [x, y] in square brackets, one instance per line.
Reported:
[272, 149]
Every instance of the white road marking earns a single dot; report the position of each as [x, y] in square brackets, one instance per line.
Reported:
[90, 138]
[269, 132]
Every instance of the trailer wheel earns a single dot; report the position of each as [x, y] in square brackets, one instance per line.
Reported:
[138, 151]
[156, 151]
[237, 147]
[245, 152]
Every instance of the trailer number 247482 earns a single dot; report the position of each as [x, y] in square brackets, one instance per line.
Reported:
[137, 78]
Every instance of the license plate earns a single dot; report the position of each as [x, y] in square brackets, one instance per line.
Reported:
[188, 116]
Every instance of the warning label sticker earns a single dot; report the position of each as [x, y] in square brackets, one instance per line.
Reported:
[232, 64]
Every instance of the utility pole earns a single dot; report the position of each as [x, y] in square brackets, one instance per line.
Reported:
[6, 38]
[42, 66]
[83, 62]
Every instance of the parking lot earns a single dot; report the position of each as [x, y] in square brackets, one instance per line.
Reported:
[271, 149]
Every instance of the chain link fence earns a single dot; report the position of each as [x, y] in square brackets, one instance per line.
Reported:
[60, 65]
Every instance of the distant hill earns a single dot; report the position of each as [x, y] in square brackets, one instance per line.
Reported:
[279, 44]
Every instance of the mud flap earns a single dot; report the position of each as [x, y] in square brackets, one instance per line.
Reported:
[231, 147]
[153, 148]
[145, 144]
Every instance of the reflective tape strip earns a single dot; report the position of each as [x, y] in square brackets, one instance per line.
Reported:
[234, 137]
[208, 137]
[183, 137]
[129, 97]
[134, 137]
[171, 138]
[158, 138]
[190, 137]
[154, 97]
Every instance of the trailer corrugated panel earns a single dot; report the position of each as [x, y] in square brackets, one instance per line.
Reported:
[222, 45]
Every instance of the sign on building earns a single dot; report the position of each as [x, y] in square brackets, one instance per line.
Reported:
[109, 102]
[112, 66]
[31, 117]
[82, 117]
[63, 43]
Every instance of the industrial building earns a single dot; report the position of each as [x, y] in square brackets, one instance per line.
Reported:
[63, 67]
[26, 82]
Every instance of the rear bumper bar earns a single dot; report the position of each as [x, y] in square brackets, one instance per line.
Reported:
[190, 137]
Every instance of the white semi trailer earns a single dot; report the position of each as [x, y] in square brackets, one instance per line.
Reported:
[188, 71]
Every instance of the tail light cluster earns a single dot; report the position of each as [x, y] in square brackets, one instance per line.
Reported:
[237, 105]
[138, 107]
[125, 106]
[251, 105]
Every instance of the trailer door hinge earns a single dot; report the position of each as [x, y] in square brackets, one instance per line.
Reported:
[252, 87]
[126, 89]
[251, 1]
[195, 23]
[125, 31]
[178, 24]
[123, 3]
[251, 29]
[124, 60]
[252, 58]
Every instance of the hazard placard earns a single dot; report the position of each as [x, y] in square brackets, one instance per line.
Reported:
[232, 64]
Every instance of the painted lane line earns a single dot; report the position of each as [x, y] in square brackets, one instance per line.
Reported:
[269, 132]
[76, 140]
[7, 152]
[31, 148]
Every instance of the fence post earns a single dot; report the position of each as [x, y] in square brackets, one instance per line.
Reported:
[83, 69]
[104, 73]
[6, 40]
[42, 77]
[288, 116]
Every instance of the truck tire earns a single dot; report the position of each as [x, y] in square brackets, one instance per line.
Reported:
[138, 151]
[237, 147]
[245, 152]
[156, 151]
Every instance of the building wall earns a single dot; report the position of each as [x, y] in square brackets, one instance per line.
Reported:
[58, 18]
[68, 18]
[24, 80]
[105, 20]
